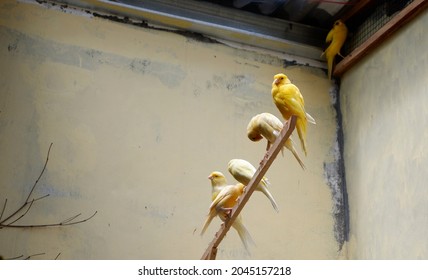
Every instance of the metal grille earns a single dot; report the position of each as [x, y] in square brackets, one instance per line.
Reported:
[367, 25]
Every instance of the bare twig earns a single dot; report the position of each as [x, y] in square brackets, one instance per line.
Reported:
[81, 221]
[20, 217]
[211, 251]
[2, 223]
[29, 257]
[41, 173]
[53, 224]
[4, 208]
[22, 257]
[15, 258]
[70, 219]
[39, 254]
[28, 209]
[29, 203]
[39, 198]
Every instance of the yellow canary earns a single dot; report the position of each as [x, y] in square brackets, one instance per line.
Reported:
[336, 37]
[289, 101]
[243, 171]
[269, 126]
[218, 183]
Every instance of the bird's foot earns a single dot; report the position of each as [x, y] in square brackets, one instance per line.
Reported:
[227, 211]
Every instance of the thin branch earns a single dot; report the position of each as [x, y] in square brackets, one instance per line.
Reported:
[81, 221]
[22, 257]
[20, 217]
[15, 258]
[14, 213]
[270, 156]
[29, 203]
[20, 209]
[4, 208]
[41, 173]
[40, 198]
[31, 191]
[70, 219]
[30, 256]
[39, 254]
[52, 225]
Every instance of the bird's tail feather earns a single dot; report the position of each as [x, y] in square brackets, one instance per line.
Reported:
[296, 155]
[262, 187]
[289, 145]
[243, 233]
[207, 222]
[301, 131]
[310, 119]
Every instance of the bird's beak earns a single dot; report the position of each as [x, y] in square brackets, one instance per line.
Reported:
[210, 177]
[276, 81]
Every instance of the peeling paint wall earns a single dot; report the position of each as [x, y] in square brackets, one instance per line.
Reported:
[385, 105]
[138, 119]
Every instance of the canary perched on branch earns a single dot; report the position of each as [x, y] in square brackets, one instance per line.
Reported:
[269, 126]
[243, 171]
[336, 37]
[289, 101]
[219, 183]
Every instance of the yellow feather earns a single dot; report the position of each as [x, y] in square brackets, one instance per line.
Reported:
[218, 183]
[289, 101]
[243, 171]
[269, 126]
[337, 37]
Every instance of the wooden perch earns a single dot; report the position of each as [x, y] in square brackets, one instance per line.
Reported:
[211, 252]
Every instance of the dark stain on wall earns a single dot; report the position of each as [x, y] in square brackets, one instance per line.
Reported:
[139, 23]
[188, 34]
[334, 173]
[170, 75]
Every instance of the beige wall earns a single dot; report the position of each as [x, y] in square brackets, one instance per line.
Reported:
[139, 118]
[385, 105]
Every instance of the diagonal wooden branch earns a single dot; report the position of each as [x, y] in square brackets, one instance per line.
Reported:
[211, 251]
